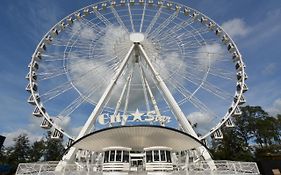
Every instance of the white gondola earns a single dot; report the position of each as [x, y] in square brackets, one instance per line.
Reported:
[225, 39]
[33, 76]
[150, 2]
[122, 2]
[78, 16]
[239, 65]
[69, 20]
[235, 57]
[38, 55]
[204, 141]
[132, 2]
[160, 3]
[86, 12]
[31, 99]
[203, 20]
[237, 111]
[62, 25]
[186, 11]
[245, 88]
[113, 3]
[32, 86]
[46, 124]
[48, 39]
[178, 8]
[195, 16]
[57, 135]
[218, 134]
[211, 26]
[69, 142]
[242, 100]
[231, 48]
[169, 5]
[245, 76]
[218, 32]
[54, 32]
[42, 47]
[229, 123]
[95, 8]
[34, 66]
[104, 5]
[241, 76]
[37, 112]
[141, 1]
[239, 87]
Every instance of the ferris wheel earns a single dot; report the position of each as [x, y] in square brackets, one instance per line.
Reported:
[127, 62]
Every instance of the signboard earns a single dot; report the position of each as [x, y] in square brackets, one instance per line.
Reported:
[149, 117]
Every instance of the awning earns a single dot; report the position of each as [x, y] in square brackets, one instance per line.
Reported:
[137, 138]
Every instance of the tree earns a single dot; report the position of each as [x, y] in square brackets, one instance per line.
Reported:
[3, 155]
[37, 150]
[255, 132]
[54, 149]
[232, 147]
[19, 152]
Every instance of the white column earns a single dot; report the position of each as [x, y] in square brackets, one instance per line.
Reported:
[70, 156]
[173, 104]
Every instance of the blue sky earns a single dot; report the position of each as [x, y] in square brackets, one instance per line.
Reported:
[257, 33]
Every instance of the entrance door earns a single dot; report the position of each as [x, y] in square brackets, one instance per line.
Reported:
[137, 160]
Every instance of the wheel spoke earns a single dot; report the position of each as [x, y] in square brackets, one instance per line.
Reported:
[153, 21]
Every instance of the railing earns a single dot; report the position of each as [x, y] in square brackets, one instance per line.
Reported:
[200, 168]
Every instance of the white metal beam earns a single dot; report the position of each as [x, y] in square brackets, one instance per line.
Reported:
[70, 156]
[174, 106]
[168, 96]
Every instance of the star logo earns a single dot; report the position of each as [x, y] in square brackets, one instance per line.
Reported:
[137, 115]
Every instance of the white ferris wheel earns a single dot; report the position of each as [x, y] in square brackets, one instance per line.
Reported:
[130, 62]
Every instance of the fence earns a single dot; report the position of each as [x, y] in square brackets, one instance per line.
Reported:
[200, 168]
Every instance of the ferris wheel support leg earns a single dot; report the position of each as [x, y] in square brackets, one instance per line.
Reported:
[70, 156]
[174, 105]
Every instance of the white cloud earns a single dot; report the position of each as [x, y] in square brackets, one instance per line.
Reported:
[113, 35]
[263, 31]
[76, 130]
[209, 54]
[84, 31]
[203, 121]
[236, 27]
[62, 121]
[276, 107]
[199, 118]
[33, 136]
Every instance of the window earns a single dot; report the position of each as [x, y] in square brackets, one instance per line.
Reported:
[126, 156]
[118, 155]
[162, 155]
[149, 156]
[106, 154]
[168, 155]
[156, 155]
[112, 155]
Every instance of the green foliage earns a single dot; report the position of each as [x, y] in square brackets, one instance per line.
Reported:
[37, 150]
[256, 136]
[23, 152]
[232, 147]
[54, 149]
